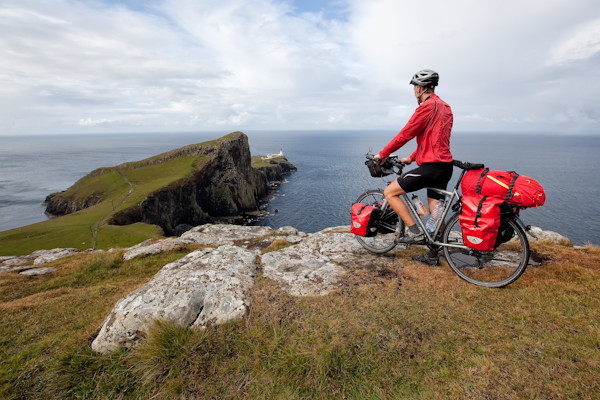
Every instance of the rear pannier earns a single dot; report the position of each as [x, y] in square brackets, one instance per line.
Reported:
[515, 189]
[480, 220]
[527, 192]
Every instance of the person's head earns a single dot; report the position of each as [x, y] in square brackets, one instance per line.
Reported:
[424, 83]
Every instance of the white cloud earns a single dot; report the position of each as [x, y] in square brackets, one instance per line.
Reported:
[580, 45]
[238, 64]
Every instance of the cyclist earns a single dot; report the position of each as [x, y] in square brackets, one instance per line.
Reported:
[431, 124]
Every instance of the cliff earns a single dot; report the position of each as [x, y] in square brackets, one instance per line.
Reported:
[221, 184]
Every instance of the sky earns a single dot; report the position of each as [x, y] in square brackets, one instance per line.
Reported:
[110, 66]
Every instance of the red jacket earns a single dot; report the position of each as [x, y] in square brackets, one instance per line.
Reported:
[431, 124]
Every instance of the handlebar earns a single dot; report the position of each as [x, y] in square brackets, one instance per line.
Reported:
[391, 164]
[393, 161]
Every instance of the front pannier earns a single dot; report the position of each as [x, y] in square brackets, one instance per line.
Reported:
[479, 221]
[364, 219]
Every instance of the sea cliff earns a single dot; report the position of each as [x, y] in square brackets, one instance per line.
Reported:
[222, 185]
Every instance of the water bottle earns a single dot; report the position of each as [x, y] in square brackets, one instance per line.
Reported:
[419, 206]
[435, 215]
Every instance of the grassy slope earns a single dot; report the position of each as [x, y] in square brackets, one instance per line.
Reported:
[407, 331]
[76, 230]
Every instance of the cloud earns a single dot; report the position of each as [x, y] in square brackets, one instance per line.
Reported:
[235, 64]
[580, 45]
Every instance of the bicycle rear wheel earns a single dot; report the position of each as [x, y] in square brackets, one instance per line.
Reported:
[492, 269]
[388, 227]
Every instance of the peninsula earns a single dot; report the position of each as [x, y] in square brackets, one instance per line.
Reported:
[165, 195]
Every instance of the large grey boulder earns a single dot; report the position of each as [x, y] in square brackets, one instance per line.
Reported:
[206, 287]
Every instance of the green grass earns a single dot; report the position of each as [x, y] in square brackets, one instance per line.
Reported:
[258, 162]
[399, 332]
[76, 229]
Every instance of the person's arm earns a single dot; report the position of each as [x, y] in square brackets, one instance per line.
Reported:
[413, 127]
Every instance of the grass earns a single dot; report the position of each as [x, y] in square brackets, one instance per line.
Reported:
[258, 162]
[76, 229]
[398, 332]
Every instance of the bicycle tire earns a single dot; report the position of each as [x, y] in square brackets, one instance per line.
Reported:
[388, 227]
[492, 269]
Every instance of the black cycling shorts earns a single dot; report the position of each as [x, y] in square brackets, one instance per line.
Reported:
[433, 175]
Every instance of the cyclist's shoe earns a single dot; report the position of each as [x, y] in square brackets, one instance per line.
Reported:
[412, 238]
[426, 259]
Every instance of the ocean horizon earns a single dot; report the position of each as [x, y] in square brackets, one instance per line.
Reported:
[331, 172]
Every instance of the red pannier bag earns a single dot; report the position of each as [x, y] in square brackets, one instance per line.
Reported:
[486, 182]
[480, 220]
[364, 219]
[527, 192]
[516, 189]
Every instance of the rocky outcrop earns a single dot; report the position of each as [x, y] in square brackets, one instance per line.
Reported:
[212, 285]
[33, 260]
[206, 287]
[223, 187]
[58, 204]
[277, 168]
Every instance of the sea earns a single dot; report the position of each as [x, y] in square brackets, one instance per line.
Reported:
[331, 172]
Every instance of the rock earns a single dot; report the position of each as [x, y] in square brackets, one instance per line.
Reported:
[45, 256]
[221, 234]
[547, 236]
[39, 257]
[206, 287]
[15, 263]
[156, 247]
[302, 272]
[181, 229]
[38, 271]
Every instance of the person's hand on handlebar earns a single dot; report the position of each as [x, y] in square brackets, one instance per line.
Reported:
[378, 160]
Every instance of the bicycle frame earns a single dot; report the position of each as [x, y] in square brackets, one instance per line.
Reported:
[449, 198]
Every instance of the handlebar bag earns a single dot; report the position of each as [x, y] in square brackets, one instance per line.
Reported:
[480, 220]
[364, 219]
[377, 170]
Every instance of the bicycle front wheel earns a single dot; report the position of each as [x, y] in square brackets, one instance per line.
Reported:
[492, 269]
[389, 225]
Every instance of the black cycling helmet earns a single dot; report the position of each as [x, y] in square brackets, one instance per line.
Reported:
[426, 78]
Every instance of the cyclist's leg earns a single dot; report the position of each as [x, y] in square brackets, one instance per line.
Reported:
[392, 193]
[438, 175]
